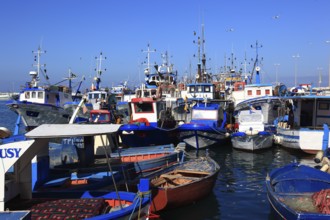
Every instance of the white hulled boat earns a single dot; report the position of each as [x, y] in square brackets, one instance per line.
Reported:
[41, 104]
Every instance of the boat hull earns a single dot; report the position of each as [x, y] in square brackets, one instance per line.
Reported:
[290, 190]
[300, 139]
[242, 141]
[188, 192]
[34, 114]
[200, 137]
[139, 135]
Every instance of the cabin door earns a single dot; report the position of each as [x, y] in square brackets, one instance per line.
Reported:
[307, 112]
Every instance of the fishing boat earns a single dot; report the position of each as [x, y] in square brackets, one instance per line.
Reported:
[150, 120]
[41, 104]
[98, 96]
[301, 122]
[206, 115]
[207, 125]
[19, 192]
[252, 133]
[183, 184]
[297, 191]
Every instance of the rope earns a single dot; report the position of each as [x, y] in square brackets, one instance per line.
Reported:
[139, 196]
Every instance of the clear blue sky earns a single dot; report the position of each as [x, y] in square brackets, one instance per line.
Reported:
[73, 32]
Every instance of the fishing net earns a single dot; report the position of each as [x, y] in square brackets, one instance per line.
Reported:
[300, 203]
[322, 201]
[318, 202]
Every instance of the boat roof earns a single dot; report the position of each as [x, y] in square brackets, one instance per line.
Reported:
[200, 84]
[307, 97]
[71, 130]
[257, 85]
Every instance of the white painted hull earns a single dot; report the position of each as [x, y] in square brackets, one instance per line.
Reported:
[34, 115]
[252, 142]
[307, 140]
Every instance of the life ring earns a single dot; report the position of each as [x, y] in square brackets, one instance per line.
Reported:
[140, 120]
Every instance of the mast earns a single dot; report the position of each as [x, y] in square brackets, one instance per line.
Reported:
[35, 74]
[148, 51]
[99, 69]
[256, 64]
[201, 56]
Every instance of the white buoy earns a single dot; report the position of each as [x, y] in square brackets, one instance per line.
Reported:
[325, 167]
[318, 157]
[4, 132]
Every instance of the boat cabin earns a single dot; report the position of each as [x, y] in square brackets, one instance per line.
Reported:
[96, 98]
[200, 91]
[147, 108]
[244, 92]
[53, 95]
[307, 111]
[250, 120]
[100, 116]
[210, 114]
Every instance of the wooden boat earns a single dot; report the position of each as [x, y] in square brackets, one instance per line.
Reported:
[183, 184]
[297, 191]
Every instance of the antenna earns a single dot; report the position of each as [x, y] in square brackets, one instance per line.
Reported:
[148, 51]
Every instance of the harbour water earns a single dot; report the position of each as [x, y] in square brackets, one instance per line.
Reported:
[239, 192]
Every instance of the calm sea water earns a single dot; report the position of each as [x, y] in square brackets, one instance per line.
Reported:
[239, 192]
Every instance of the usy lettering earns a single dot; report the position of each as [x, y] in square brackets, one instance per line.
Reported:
[9, 152]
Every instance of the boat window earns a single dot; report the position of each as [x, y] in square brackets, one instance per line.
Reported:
[27, 95]
[200, 89]
[192, 89]
[248, 118]
[267, 92]
[96, 96]
[103, 96]
[207, 88]
[249, 92]
[40, 95]
[323, 106]
[202, 114]
[143, 107]
[64, 153]
[100, 117]
[258, 92]
[34, 95]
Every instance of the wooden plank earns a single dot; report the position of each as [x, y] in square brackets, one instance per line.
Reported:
[193, 172]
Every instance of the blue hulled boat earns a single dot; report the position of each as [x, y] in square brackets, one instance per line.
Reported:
[298, 191]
